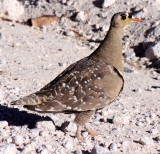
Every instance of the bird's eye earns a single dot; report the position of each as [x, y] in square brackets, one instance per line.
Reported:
[124, 17]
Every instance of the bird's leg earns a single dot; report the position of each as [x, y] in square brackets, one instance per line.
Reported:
[78, 133]
[90, 131]
[81, 119]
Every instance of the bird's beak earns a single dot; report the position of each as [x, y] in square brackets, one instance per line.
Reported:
[136, 19]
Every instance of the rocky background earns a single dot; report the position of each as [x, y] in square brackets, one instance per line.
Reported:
[32, 56]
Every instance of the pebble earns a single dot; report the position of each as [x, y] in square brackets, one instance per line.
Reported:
[99, 150]
[154, 32]
[104, 113]
[105, 28]
[68, 145]
[18, 140]
[81, 16]
[127, 69]
[129, 55]
[44, 133]
[146, 140]
[153, 131]
[27, 149]
[120, 119]
[78, 152]
[69, 127]
[108, 3]
[113, 147]
[46, 125]
[139, 90]
[8, 149]
[69, 33]
[157, 138]
[12, 9]
[3, 124]
[153, 52]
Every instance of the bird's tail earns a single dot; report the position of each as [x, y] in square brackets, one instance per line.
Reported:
[32, 99]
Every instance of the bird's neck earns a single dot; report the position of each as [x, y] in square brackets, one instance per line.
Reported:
[110, 50]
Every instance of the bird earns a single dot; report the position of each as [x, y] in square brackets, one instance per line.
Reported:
[87, 85]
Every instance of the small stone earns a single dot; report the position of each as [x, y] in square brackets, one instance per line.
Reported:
[108, 3]
[69, 127]
[127, 69]
[153, 52]
[113, 147]
[153, 131]
[78, 152]
[129, 55]
[105, 28]
[18, 140]
[46, 125]
[69, 33]
[81, 16]
[44, 133]
[146, 140]
[8, 149]
[104, 113]
[139, 90]
[157, 138]
[120, 119]
[154, 32]
[27, 149]
[11, 9]
[99, 150]
[3, 124]
[68, 145]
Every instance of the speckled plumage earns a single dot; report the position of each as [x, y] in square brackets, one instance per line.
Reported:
[87, 85]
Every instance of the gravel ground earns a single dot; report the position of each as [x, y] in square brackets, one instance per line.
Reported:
[30, 57]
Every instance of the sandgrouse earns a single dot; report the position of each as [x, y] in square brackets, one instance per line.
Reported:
[87, 85]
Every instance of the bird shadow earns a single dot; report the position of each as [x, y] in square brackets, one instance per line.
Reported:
[14, 117]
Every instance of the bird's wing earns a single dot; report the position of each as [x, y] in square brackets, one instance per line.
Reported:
[81, 87]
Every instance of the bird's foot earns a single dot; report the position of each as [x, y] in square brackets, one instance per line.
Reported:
[93, 133]
[80, 138]
[90, 131]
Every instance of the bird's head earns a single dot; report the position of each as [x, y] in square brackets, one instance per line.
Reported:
[122, 19]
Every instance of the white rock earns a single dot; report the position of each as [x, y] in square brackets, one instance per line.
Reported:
[99, 150]
[3, 133]
[104, 113]
[18, 140]
[153, 52]
[8, 149]
[46, 125]
[153, 131]
[11, 9]
[107, 3]
[3, 124]
[68, 145]
[69, 33]
[44, 133]
[27, 149]
[113, 147]
[154, 32]
[78, 152]
[146, 140]
[69, 127]
[81, 16]
[121, 119]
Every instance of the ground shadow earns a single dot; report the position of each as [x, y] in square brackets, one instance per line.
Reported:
[98, 3]
[139, 50]
[14, 117]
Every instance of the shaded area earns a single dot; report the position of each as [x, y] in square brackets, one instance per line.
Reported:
[139, 50]
[14, 117]
[98, 3]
